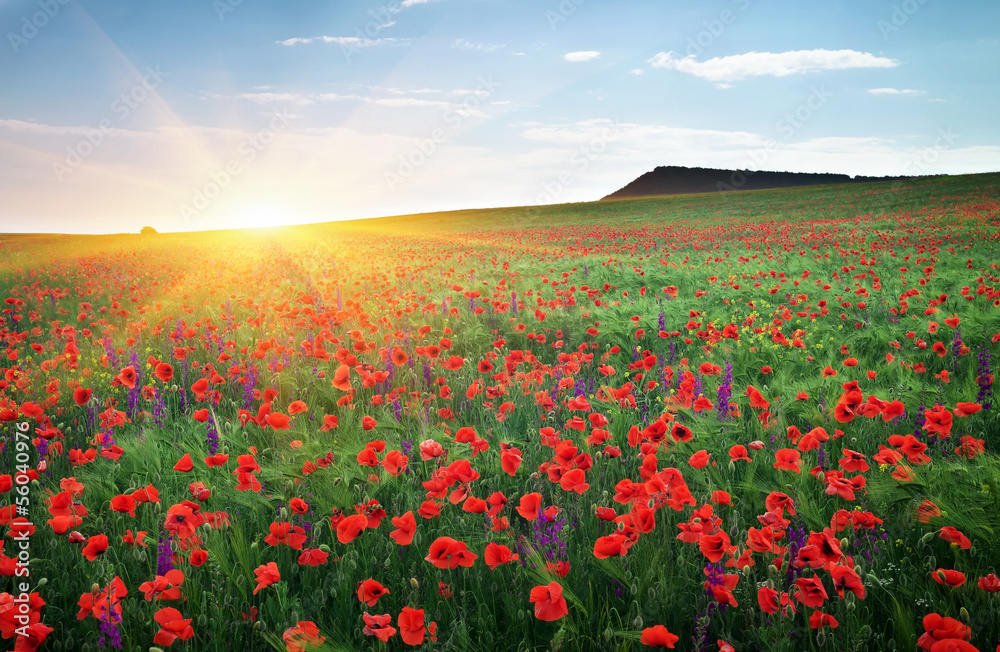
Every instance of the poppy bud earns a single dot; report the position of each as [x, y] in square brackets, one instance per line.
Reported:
[963, 613]
[284, 514]
[820, 638]
[850, 605]
[156, 649]
[42, 582]
[96, 588]
[325, 548]
[202, 620]
[732, 466]
[637, 623]
[927, 537]
[772, 570]
[844, 542]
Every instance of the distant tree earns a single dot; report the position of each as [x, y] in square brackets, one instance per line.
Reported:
[148, 230]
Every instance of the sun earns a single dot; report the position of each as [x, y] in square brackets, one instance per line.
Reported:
[261, 216]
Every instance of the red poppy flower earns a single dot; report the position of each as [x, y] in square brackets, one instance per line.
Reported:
[411, 626]
[940, 628]
[948, 577]
[350, 527]
[164, 587]
[292, 536]
[313, 557]
[446, 552]
[952, 535]
[990, 583]
[700, 459]
[529, 506]
[787, 459]
[304, 633]
[549, 602]
[173, 626]
[267, 574]
[378, 626]
[406, 527]
[811, 591]
[164, 372]
[184, 464]
[658, 636]
[819, 619]
[497, 554]
[714, 546]
[370, 591]
[95, 547]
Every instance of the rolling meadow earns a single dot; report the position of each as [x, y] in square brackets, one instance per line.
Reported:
[747, 421]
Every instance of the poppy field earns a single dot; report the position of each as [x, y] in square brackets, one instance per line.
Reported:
[763, 421]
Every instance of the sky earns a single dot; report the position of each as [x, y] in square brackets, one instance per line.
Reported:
[203, 114]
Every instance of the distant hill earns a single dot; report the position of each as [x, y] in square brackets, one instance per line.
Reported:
[677, 180]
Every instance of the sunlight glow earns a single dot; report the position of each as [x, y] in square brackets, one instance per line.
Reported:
[258, 216]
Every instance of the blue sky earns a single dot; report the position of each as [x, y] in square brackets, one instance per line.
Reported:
[189, 115]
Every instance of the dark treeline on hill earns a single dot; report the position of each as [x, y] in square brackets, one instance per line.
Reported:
[676, 180]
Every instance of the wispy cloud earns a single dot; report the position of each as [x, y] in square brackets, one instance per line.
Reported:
[411, 3]
[399, 99]
[272, 98]
[579, 57]
[351, 41]
[777, 64]
[894, 91]
[466, 44]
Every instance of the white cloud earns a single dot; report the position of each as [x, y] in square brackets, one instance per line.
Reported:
[578, 57]
[937, 99]
[637, 71]
[778, 64]
[399, 100]
[411, 3]
[894, 91]
[270, 98]
[466, 44]
[351, 41]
